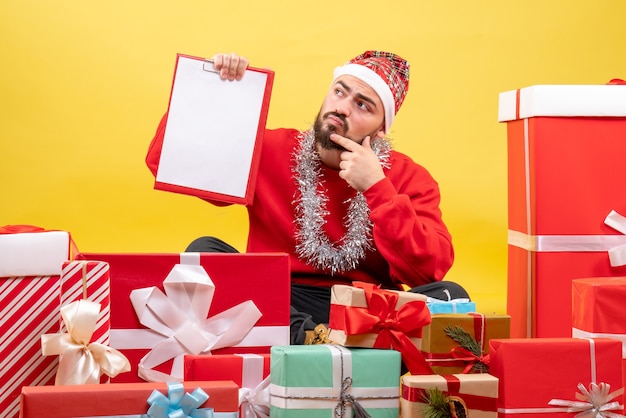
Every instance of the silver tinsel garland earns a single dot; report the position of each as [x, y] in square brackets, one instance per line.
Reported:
[313, 244]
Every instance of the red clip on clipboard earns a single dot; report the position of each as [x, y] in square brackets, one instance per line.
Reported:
[212, 141]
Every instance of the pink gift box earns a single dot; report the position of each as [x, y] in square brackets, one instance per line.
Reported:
[263, 279]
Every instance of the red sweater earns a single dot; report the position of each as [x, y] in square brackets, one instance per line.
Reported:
[412, 245]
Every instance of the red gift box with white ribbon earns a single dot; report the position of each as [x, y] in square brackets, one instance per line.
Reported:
[598, 310]
[565, 164]
[31, 259]
[165, 306]
[557, 376]
[249, 371]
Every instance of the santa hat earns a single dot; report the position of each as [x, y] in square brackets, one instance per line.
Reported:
[386, 73]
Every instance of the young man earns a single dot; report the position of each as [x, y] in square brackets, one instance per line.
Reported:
[339, 200]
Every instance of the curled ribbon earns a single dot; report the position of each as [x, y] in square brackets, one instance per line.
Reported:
[392, 326]
[180, 316]
[82, 362]
[593, 403]
[178, 404]
[255, 402]
[465, 355]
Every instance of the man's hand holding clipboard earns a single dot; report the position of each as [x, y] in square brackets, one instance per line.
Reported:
[214, 128]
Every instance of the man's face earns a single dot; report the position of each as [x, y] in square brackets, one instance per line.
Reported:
[351, 109]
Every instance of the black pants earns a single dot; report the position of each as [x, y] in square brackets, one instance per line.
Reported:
[310, 305]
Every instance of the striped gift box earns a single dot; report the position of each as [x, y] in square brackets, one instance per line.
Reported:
[29, 307]
[88, 280]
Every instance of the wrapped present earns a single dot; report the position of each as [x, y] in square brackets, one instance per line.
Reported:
[363, 315]
[565, 148]
[436, 306]
[82, 361]
[249, 371]
[164, 306]
[88, 280]
[27, 250]
[556, 376]
[30, 266]
[331, 380]
[462, 395]
[598, 311]
[132, 400]
[459, 343]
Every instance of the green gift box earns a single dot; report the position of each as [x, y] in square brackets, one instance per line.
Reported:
[327, 380]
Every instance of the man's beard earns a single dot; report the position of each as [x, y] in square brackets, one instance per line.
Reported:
[323, 131]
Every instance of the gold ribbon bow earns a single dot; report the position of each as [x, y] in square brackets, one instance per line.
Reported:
[594, 402]
[82, 362]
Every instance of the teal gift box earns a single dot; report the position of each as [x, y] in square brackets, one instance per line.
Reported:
[327, 381]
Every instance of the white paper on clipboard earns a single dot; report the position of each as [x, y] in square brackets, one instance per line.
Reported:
[211, 132]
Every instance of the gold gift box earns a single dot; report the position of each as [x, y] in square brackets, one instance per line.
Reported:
[442, 351]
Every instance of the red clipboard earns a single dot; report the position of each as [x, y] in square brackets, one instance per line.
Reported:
[213, 133]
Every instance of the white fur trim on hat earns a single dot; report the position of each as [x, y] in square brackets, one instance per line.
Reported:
[375, 82]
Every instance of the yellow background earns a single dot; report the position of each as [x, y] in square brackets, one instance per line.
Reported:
[83, 85]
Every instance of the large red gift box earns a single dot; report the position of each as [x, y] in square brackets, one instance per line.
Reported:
[565, 160]
[598, 310]
[262, 280]
[30, 269]
[541, 376]
[118, 399]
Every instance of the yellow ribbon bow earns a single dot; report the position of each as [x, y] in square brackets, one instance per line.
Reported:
[81, 361]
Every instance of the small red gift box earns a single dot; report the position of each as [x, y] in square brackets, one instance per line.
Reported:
[565, 149]
[30, 268]
[252, 282]
[117, 399]
[249, 371]
[598, 310]
[539, 376]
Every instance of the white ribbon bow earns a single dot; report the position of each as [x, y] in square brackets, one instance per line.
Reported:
[255, 403]
[180, 316]
[82, 362]
[617, 255]
[593, 403]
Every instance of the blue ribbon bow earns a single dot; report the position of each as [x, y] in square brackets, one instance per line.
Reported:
[178, 404]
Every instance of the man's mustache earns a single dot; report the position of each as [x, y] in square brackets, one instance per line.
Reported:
[338, 116]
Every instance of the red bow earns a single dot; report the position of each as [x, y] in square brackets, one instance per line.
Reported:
[466, 355]
[392, 326]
